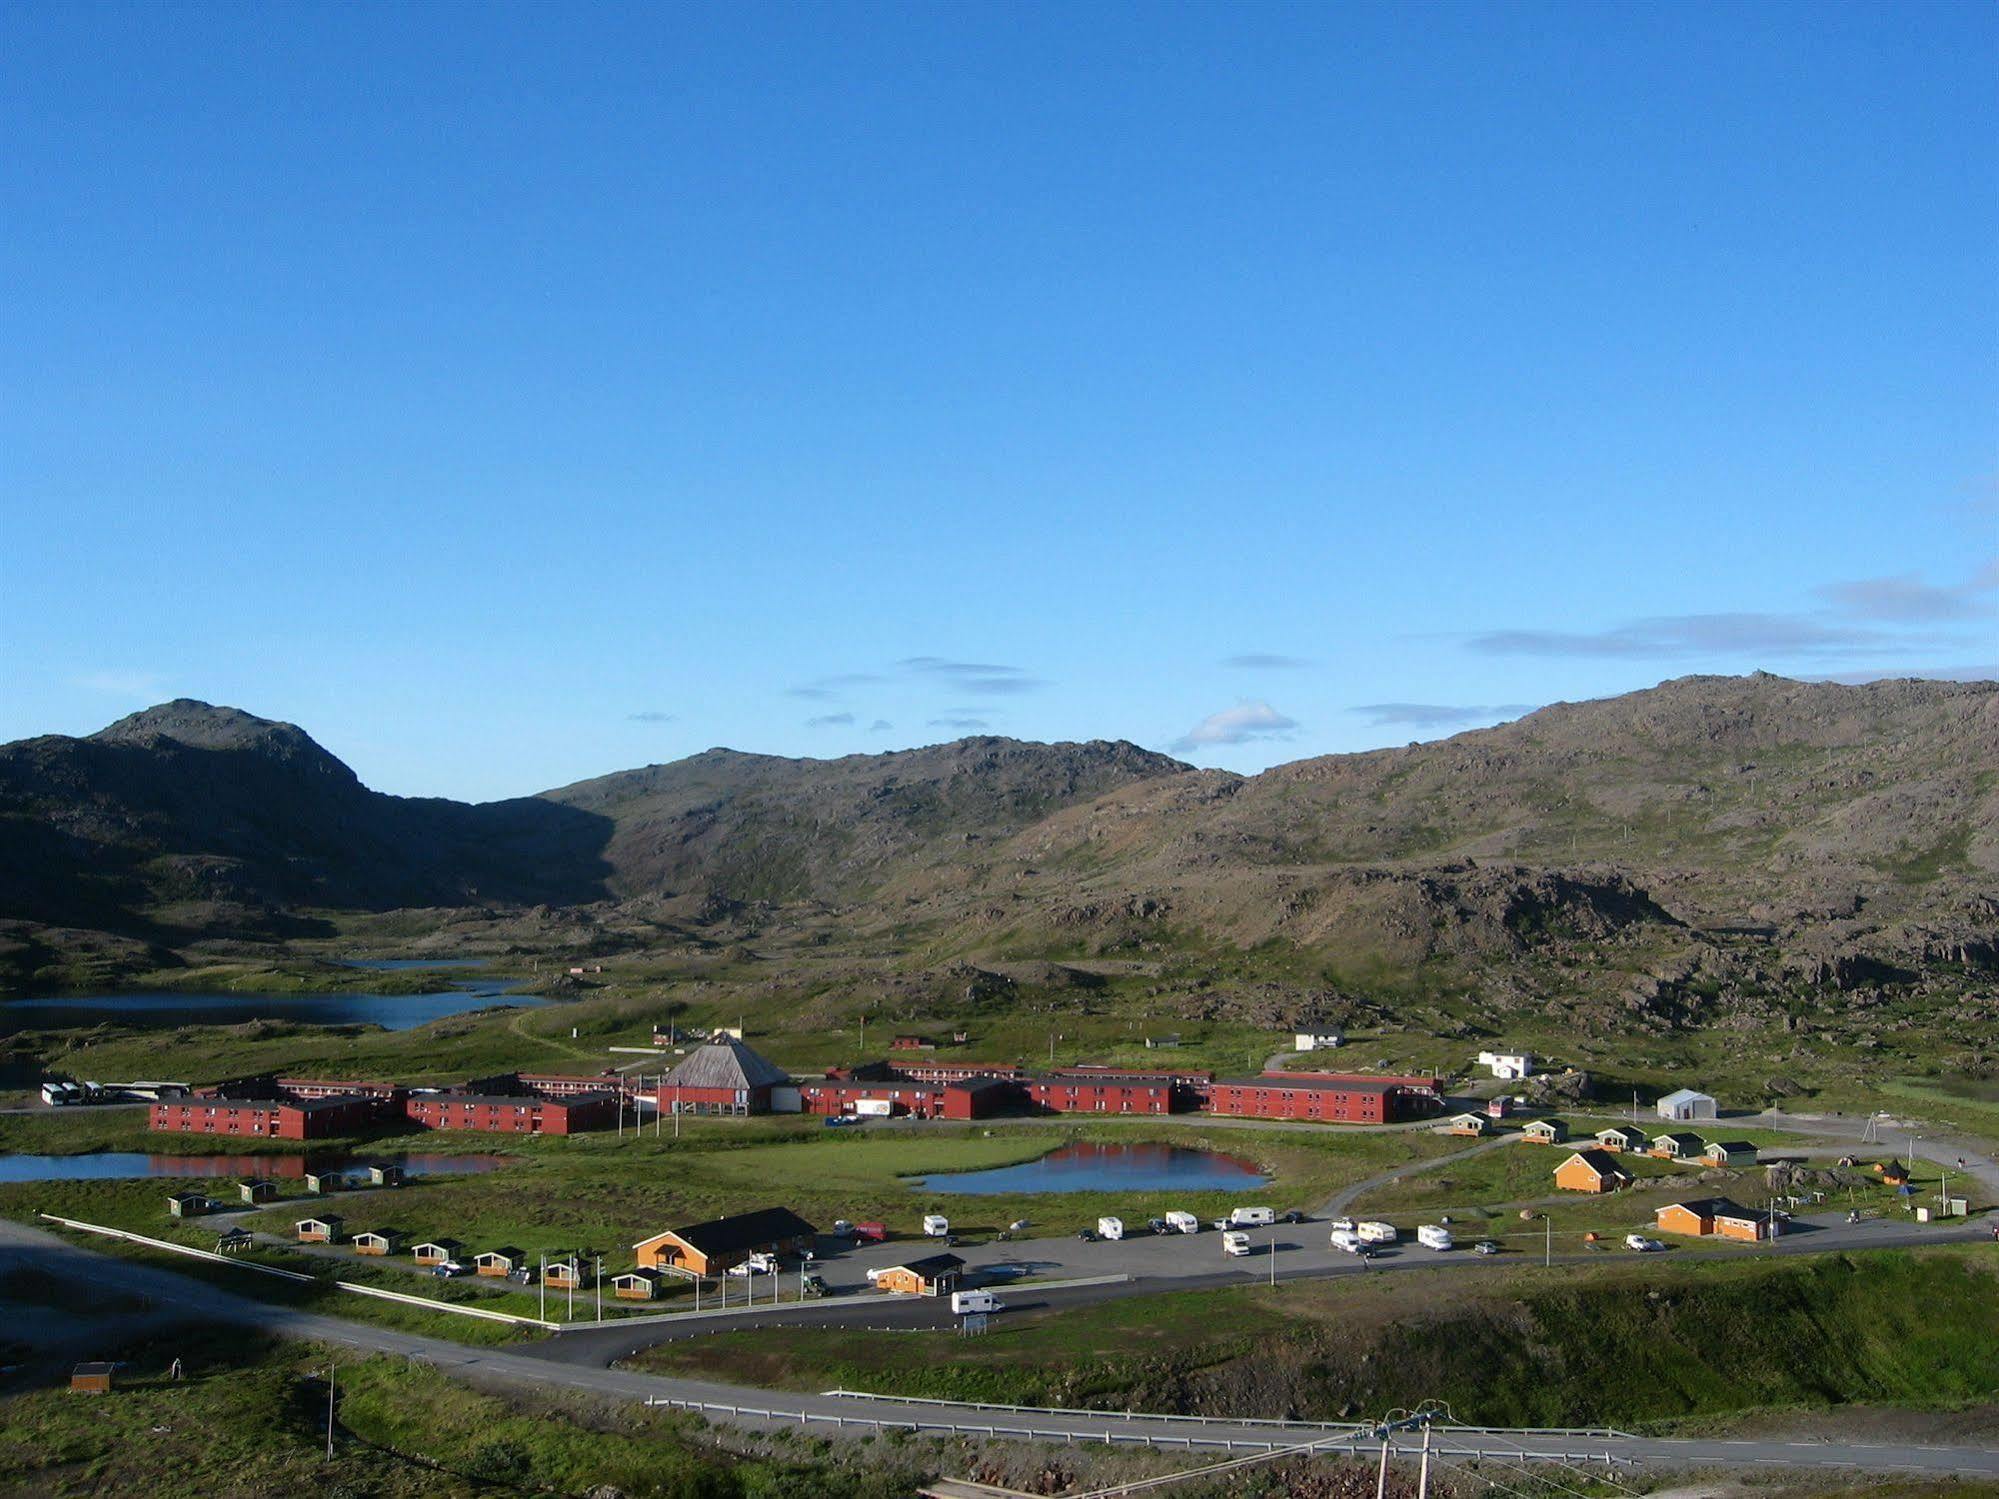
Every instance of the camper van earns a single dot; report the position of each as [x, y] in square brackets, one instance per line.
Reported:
[1372, 1232]
[936, 1225]
[963, 1302]
[1347, 1239]
[1110, 1228]
[1182, 1223]
[1252, 1217]
[1434, 1236]
[1235, 1243]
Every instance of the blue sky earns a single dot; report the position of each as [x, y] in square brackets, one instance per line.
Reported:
[510, 394]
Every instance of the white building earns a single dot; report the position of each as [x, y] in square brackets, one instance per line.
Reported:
[1511, 1067]
[1685, 1105]
[1320, 1040]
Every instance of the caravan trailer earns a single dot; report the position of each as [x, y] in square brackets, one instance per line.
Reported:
[1183, 1223]
[1110, 1228]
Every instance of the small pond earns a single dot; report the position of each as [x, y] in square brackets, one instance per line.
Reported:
[1088, 1167]
[126, 1165]
[394, 1012]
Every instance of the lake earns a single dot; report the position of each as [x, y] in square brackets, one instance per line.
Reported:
[393, 1012]
[128, 1165]
[1088, 1167]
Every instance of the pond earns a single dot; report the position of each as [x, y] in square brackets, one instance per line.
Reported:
[1087, 1167]
[128, 1165]
[394, 1012]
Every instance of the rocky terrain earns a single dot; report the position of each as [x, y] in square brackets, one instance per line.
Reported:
[1715, 852]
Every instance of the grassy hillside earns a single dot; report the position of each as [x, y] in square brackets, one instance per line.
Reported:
[1558, 1348]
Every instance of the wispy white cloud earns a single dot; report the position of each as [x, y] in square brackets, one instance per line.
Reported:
[967, 725]
[1238, 725]
[1905, 598]
[1676, 635]
[830, 721]
[1440, 715]
[880, 726]
[1265, 661]
[974, 678]
[650, 717]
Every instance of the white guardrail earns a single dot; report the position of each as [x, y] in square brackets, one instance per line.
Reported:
[299, 1277]
[1360, 1441]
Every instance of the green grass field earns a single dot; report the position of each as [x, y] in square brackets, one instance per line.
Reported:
[1623, 1343]
[249, 1417]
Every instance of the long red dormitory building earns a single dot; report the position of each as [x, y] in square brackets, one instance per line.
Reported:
[726, 1077]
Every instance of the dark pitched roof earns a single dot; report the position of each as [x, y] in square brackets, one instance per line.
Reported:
[1729, 1145]
[1602, 1163]
[932, 1266]
[505, 1251]
[726, 1063]
[1677, 1137]
[1311, 1084]
[743, 1231]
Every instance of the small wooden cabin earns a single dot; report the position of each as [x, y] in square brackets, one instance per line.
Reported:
[326, 1229]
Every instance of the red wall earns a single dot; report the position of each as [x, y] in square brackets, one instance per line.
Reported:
[1068, 1095]
[1272, 1100]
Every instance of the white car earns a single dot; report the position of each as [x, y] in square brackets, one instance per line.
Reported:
[1642, 1244]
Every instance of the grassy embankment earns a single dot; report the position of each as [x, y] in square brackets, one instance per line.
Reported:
[1622, 1343]
[249, 1417]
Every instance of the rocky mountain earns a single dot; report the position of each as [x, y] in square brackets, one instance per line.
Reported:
[1823, 834]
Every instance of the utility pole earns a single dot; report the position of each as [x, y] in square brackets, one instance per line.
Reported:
[329, 1410]
[544, 1288]
[676, 1111]
[598, 1277]
[1423, 1473]
[1547, 1241]
[1381, 1474]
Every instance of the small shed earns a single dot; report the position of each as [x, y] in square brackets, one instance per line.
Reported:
[329, 1228]
[1684, 1105]
[1544, 1131]
[382, 1174]
[1729, 1153]
[933, 1275]
[502, 1261]
[92, 1379]
[1591, 1171]
[1619, 1138]
[1467, 1124]
[571, 1271]
[256, 1190]
[1500, 1107]
[322, 1182]
[378, 1241]
[1678, 1145]
[635, 1285]
[436, 1251]
[187, 1204]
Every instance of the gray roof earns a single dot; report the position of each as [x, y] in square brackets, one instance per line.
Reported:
[726, 1063]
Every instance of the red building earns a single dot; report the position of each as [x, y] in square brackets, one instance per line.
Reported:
[926, 1071]
[979, 1097]
[271, 1118]
[512, 1113]
[1101, 1091]
[903, 1095]
[1323, 1099]
[722, 1077]
[564, 1085]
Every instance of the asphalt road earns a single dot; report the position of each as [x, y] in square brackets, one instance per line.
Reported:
[21, 1245]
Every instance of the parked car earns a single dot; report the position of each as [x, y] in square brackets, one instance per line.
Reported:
[1485, 1246]
[447, 1269]
[1642, 1244]
[1087, 1235]
[1155, 1226]
[1339, 1223]
[812, 1285]
[1293, 1215]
